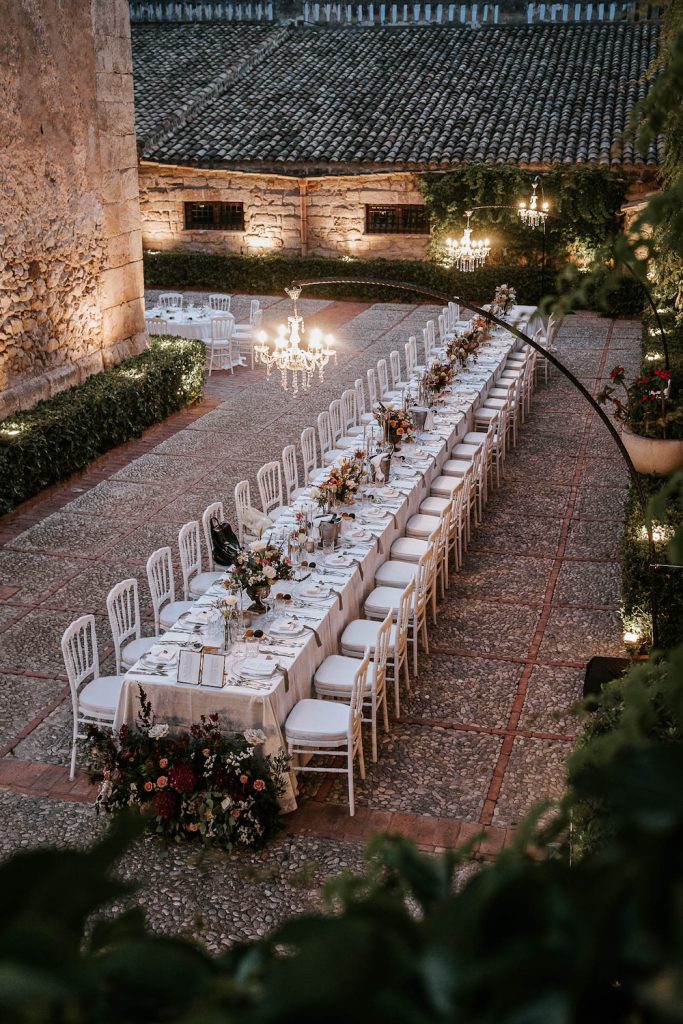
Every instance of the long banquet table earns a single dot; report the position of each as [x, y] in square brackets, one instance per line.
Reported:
[243, 704]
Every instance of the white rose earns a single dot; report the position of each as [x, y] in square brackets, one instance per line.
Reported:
[270, 572]
[254, 736]
[157, 732]
[231, 600]
[257, 545]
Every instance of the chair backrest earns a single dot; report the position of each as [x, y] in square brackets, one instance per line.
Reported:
[411, 355]
[324, 432]
[254, 308]
[291, 471]
[360, 396]
[190, 547]
[426, 345]
[372, 388]
[349, 409]
[336, 420]
[395, 368]
[425, 577]
[123, 609]
[309, 454]
[269, 480]
[257, 319]
[81, 657]
[242, 503]
[221, 328]
[157, 325]
[214, 509]
[382, 377]
[221, 303]
[160, 580]
[405, 608]
[171, 300]
[442, 328]
[454, 311]
[381, 657]
[358, 689]
[431, 333]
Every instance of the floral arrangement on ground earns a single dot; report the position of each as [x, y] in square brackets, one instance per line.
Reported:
[341, 485]
[196, 784]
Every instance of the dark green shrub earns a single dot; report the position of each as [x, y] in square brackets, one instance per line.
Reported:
[270, 275]
[65, 433]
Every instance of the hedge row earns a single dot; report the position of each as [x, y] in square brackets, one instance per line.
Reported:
[269, 275]
[64, 434]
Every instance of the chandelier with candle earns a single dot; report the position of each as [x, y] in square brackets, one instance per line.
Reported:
[468, 254]
[287, 355]
[531, 215]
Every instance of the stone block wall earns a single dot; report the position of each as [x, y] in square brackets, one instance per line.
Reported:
[71, 289]
[293, 216]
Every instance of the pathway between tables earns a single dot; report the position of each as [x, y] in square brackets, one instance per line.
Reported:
[486, 730]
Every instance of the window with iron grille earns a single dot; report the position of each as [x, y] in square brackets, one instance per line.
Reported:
[396, 220]
[214, 216]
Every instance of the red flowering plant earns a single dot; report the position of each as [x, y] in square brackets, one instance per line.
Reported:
[196, 784]
[644, 405]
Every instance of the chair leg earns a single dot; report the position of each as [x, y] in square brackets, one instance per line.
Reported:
[406, 670]
[361, 756]
[72, 771]
[349, 769]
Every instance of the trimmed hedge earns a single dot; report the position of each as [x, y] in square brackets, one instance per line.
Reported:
[64, 434]
[270, 275]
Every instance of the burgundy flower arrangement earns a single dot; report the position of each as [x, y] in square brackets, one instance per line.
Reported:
[644, 405]
[198, 784]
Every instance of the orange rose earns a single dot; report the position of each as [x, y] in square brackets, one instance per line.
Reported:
[148, 787]
[163, 763]
[206, 751]
[244, 779]
[162, 781]
[259, 785]
[236, 813]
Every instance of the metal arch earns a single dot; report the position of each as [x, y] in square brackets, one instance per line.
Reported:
[491, 317]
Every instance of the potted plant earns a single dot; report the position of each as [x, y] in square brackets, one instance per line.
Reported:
[652, 424]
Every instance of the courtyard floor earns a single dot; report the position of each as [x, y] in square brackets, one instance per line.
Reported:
[486, 730]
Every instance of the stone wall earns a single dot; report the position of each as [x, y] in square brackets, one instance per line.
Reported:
[71, 289]
[314, 216]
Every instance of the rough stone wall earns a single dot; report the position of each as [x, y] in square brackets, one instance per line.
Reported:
[71, 289]
[315, 216]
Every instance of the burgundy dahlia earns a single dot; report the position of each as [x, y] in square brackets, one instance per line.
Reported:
[164, 804]
[182, 778]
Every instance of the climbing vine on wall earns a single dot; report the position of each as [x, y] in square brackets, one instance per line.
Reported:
[585, 204]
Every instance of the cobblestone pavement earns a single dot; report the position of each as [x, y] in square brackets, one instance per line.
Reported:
[483, 734]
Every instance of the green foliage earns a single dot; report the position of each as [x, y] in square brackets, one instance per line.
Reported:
[270, 275]
[584, 205]
[65, 433]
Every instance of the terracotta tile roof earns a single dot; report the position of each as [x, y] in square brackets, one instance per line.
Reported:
[317, 99]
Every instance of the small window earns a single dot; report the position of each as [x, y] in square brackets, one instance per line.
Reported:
[396, 220]
[214, 216]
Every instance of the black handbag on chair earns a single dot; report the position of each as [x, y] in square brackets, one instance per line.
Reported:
[224, 542]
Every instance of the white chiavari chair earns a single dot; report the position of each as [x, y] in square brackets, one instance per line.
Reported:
[161, 582]
[219, 303]
[195, 582]
[123, 609]
[269, 480]
[171, 300]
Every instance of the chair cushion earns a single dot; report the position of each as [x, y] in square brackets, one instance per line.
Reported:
[434, 506]
[444, 486]
[101, 696]
[396, 574]
[333, 455]
[133, 651]
[475, 437]
[409, 549]
[362, 633]
[382, 599]
[468, 449]
[311, 719]
[422, 526]
[202, 581]
[335, 675]
[354, 431]
[170, 613]
[456, 467]
[367, 417]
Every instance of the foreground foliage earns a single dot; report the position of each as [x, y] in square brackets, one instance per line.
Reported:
[64, 434]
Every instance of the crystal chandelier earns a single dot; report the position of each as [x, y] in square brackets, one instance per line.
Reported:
[467, 254]
[287, 356]
[531, 215]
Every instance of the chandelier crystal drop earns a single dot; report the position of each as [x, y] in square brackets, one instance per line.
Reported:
[531, 215]
[467, 254]
[287, 355]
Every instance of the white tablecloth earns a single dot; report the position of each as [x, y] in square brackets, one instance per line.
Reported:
[240, 707]
[186, 325]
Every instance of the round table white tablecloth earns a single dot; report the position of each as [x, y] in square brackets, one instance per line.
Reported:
[187, 325]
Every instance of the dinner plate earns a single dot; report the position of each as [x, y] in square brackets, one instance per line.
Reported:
[316, 590]
[339, 560]
[389, 492]
[360, 535]
[376, 513]
[257, 668]
[286, 627]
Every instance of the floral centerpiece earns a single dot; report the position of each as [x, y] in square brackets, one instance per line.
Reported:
[504, 299]
[645, 408]
[257, 568]
[438, 377]
[342, 484]
[197, 784]
[397, 424]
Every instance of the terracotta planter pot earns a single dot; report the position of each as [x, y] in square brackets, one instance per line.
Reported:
[653, 455]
